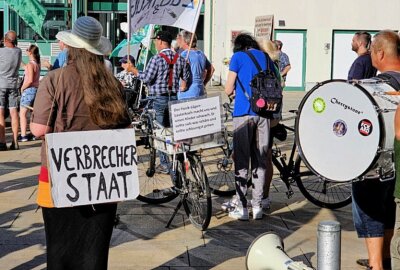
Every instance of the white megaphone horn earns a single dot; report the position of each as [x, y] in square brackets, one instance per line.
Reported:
[266, 253]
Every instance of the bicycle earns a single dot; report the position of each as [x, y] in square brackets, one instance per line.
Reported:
[187, 180]
[320, 191]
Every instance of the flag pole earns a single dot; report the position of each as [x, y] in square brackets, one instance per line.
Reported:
[196, 21]
[129, 30]
[149, 35]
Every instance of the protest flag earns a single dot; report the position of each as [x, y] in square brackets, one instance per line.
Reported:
[178, 13]
[31, 11]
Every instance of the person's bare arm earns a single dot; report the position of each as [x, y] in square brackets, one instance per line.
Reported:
[28, 79]
[46, 64]
[209, 73]
[230, 83]
[397, 123]
[39, 130]
[285, 70]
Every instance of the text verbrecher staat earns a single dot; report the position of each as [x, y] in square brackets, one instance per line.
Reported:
[89, 167]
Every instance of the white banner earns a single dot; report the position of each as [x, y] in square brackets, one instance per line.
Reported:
[89, 167]
[178, 13]
[196, 118]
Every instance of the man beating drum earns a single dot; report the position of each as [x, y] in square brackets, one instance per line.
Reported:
[385, 53]
[373, 219]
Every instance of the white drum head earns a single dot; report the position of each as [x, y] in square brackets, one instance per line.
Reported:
[338, 130]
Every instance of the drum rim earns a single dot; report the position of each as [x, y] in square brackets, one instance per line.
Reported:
[381, 121]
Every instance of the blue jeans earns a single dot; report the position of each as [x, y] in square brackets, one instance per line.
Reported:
[28, 96]
[162, 117]
[373, 207]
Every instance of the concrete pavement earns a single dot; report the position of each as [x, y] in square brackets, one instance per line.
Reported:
[141, 240]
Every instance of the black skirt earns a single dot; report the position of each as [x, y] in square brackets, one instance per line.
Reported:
[79, 237]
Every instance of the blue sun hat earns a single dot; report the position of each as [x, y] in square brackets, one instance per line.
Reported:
[86, 34]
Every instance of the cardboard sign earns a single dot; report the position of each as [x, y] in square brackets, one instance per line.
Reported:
[263, 27]
[196, 118]
[89, 167]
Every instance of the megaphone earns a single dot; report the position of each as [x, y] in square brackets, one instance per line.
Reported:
[266, 253]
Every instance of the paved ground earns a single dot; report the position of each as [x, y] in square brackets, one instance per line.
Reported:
[141, 240]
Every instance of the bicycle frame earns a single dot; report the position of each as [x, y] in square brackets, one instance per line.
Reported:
[286, 169]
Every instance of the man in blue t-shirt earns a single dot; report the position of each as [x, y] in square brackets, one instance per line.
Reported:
[250, 132]
[201, 68]
[362, 67]
[61, 58]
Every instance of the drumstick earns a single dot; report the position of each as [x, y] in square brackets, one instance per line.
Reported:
[393, 93]
[29, 107]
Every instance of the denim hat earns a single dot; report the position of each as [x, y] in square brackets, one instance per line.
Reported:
[164, 36]
[125, 59]
[86, 34]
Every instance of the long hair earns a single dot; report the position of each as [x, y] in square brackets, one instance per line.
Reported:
[34, 50]
[270, 47]
[101, 90]
[244, 42]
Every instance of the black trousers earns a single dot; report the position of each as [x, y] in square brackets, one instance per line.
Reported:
[79, 237]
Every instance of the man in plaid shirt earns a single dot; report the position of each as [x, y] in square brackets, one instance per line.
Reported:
[157, 76]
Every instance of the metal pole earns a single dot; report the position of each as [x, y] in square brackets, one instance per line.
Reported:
[328, 247]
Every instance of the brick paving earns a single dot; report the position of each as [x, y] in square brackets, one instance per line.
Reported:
[141, 240]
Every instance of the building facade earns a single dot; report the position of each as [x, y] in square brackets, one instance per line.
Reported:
[60, 15]
[316, 34]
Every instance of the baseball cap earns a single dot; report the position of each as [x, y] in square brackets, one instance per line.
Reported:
[164, 36]
[125, 59]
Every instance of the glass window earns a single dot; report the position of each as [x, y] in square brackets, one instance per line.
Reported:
[58, 18]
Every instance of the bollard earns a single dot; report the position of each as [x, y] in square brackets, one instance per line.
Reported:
[328, 247]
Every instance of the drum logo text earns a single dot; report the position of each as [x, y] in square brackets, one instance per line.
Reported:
[345, 106]
[319, 105]
[365, 127]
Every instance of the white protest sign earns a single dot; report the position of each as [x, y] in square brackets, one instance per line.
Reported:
[196, 118]
[263, 27]
[178, 13]
[89, 167]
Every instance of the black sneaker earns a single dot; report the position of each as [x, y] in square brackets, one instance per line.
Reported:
[386, 263]
[14, 146]
[3, 147]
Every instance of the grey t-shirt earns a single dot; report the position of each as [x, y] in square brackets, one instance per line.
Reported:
[10, 60]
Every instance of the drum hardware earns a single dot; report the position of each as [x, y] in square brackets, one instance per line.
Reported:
[385, 150]
[385, 110]
[381, 175]
[358, 135]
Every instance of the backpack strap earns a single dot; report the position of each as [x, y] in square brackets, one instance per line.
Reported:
[243, 89]
[171, 64]
[254, 60]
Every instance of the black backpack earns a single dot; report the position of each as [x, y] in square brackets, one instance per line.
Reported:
[266, 90]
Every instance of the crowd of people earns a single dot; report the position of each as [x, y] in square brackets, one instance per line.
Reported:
[79, 93]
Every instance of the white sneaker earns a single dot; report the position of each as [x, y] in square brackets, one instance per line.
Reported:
[231, 204]
[257, 213]
[239, 213]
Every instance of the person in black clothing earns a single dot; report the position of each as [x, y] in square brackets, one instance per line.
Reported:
[362, 67]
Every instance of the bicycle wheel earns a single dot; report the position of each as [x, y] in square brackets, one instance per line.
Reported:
[197, 201]
[319, 191]
[222, 176]
[155, 188]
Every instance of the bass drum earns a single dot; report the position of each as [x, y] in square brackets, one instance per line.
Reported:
[345, 130]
